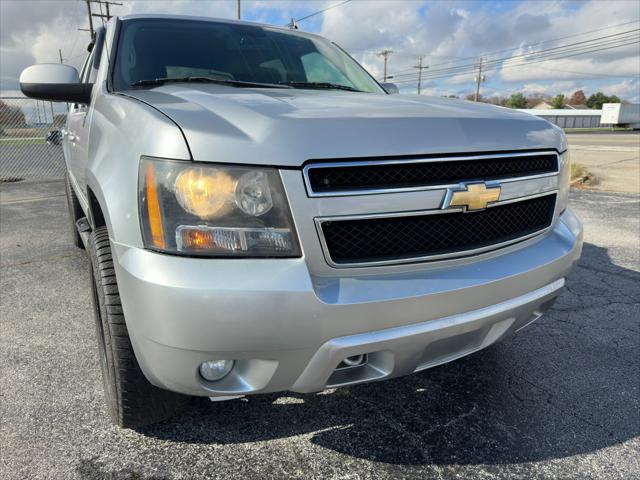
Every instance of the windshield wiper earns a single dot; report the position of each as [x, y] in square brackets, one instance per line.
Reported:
[320, 85]
[218, 80]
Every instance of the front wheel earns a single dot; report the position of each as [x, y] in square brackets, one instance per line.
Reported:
[131, 400]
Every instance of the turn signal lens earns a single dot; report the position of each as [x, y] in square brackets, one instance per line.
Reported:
[234, 240]
[205, 192]
[153, 207]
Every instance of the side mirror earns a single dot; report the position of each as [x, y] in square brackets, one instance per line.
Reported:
[390, 88]
[54, 82]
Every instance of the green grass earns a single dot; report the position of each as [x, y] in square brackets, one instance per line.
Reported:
[578, 171]
[22, 141]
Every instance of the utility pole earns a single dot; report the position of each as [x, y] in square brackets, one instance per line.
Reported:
[91, 30]
[106, 3]
[60, 54]
[420, 68]
[385, 54]
[479, 79]
[238, 9]
[292, 24]
[101, 15]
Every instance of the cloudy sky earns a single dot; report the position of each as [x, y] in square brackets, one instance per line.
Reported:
[518, 40]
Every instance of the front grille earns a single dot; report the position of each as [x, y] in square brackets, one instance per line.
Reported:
[335, 178]
[400, 238]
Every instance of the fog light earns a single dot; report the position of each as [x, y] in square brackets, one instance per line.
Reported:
[214, 370]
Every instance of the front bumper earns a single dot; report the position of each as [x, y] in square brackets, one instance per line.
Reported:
[288, 329]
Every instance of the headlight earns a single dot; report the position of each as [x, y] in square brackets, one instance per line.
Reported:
[214, 210]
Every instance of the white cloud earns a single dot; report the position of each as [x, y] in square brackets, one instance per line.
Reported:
[569, 22]
[444, 32]
[459, 32]
[628, 89]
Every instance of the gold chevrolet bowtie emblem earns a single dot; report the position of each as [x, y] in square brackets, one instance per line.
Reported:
[475, 197]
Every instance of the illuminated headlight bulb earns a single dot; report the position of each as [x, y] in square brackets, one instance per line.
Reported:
[204, 192]
[253, 195]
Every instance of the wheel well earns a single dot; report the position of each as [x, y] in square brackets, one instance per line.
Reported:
[97, 217]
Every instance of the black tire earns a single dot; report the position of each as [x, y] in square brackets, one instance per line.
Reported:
[131, 400]
[75, 212]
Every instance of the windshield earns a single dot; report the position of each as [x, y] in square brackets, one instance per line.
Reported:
[150, 49]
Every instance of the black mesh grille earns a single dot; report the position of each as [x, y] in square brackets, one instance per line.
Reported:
[370, 240]
[401, 175]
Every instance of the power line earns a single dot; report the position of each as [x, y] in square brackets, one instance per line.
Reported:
[486, 54]
[548, 57]
[72, 20]
[533, 57]
[527, 63]
[541, 53]
[586, 74]
[321, 11]
[577, 45]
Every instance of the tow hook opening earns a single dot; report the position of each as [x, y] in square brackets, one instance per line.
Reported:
[353, 361]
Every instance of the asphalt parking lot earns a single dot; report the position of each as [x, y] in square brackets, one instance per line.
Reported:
[560, 399]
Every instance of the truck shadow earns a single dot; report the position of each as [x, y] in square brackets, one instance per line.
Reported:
[564, 386]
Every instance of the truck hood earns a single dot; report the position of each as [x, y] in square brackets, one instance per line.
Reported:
[286, 127]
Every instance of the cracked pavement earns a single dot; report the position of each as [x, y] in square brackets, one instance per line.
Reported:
[558, 400]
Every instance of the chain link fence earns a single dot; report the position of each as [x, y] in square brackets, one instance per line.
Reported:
[30, 140]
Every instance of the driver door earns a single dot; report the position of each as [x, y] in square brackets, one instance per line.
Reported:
[77, 135]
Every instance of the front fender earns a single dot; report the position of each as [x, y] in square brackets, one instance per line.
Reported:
[123, 129]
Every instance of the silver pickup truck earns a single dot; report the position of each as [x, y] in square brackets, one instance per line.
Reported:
[261, 215]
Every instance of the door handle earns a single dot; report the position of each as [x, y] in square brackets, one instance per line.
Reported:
[72, 138]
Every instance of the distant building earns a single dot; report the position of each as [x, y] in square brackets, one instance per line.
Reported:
[575, 116]
[577, 107]
[542, 106]
[621, 114]
[568, 117]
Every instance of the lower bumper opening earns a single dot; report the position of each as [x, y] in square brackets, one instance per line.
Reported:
[372, 366]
